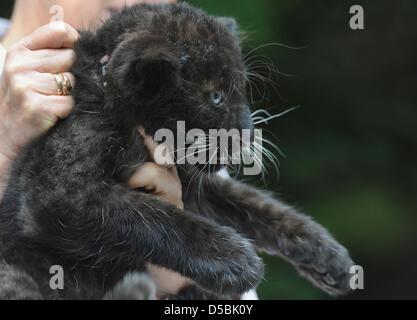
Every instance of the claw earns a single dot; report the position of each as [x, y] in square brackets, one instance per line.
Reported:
[321, 270]
[329, 280]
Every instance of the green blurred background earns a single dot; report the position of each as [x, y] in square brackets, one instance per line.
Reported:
[351, 147]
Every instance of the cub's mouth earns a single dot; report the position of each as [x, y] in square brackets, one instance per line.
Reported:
[209, 151]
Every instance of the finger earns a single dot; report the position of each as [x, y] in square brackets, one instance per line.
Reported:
[159, 181]
[150, 144]
[168, 282]
[54, 35]
[43, 61]
[49, 84]
[146, 177]
[43, 83]
[58, 106]
[45, 110]
[159, 153]
[47, 61]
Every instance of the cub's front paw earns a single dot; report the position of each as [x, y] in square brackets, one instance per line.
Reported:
[311, 249]
[235, 268]
[327, 266]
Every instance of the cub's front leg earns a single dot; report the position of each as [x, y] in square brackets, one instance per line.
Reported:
[120, 228]
[276, 229]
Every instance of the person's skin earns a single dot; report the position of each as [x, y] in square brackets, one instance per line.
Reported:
[29, 106]
[80, 14]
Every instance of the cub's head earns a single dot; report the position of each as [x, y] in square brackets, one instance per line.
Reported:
[169, 63]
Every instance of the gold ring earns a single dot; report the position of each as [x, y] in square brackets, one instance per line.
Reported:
[64, 84]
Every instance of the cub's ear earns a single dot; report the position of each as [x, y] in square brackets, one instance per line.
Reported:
[150, 66]
[231, 26]
[229, 23]
[155, 72]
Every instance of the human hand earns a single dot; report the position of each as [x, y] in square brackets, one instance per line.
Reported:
[29, 104]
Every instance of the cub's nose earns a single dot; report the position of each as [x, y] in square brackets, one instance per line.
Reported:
[240, 118]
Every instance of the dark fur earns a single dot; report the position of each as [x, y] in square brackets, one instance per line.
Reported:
[66, 202]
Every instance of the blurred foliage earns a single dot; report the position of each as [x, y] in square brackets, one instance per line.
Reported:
[351, 148]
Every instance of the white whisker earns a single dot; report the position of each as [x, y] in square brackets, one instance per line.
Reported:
[277, 115]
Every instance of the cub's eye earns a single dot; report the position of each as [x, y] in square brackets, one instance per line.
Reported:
[104, 64]
[103, 70]
[216, 97]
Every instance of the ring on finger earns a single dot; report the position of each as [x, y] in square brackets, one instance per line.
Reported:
[64, 84]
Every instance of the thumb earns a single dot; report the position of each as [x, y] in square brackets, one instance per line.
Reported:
[161, 154]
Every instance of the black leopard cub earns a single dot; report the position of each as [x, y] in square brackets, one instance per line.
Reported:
[67, 204]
